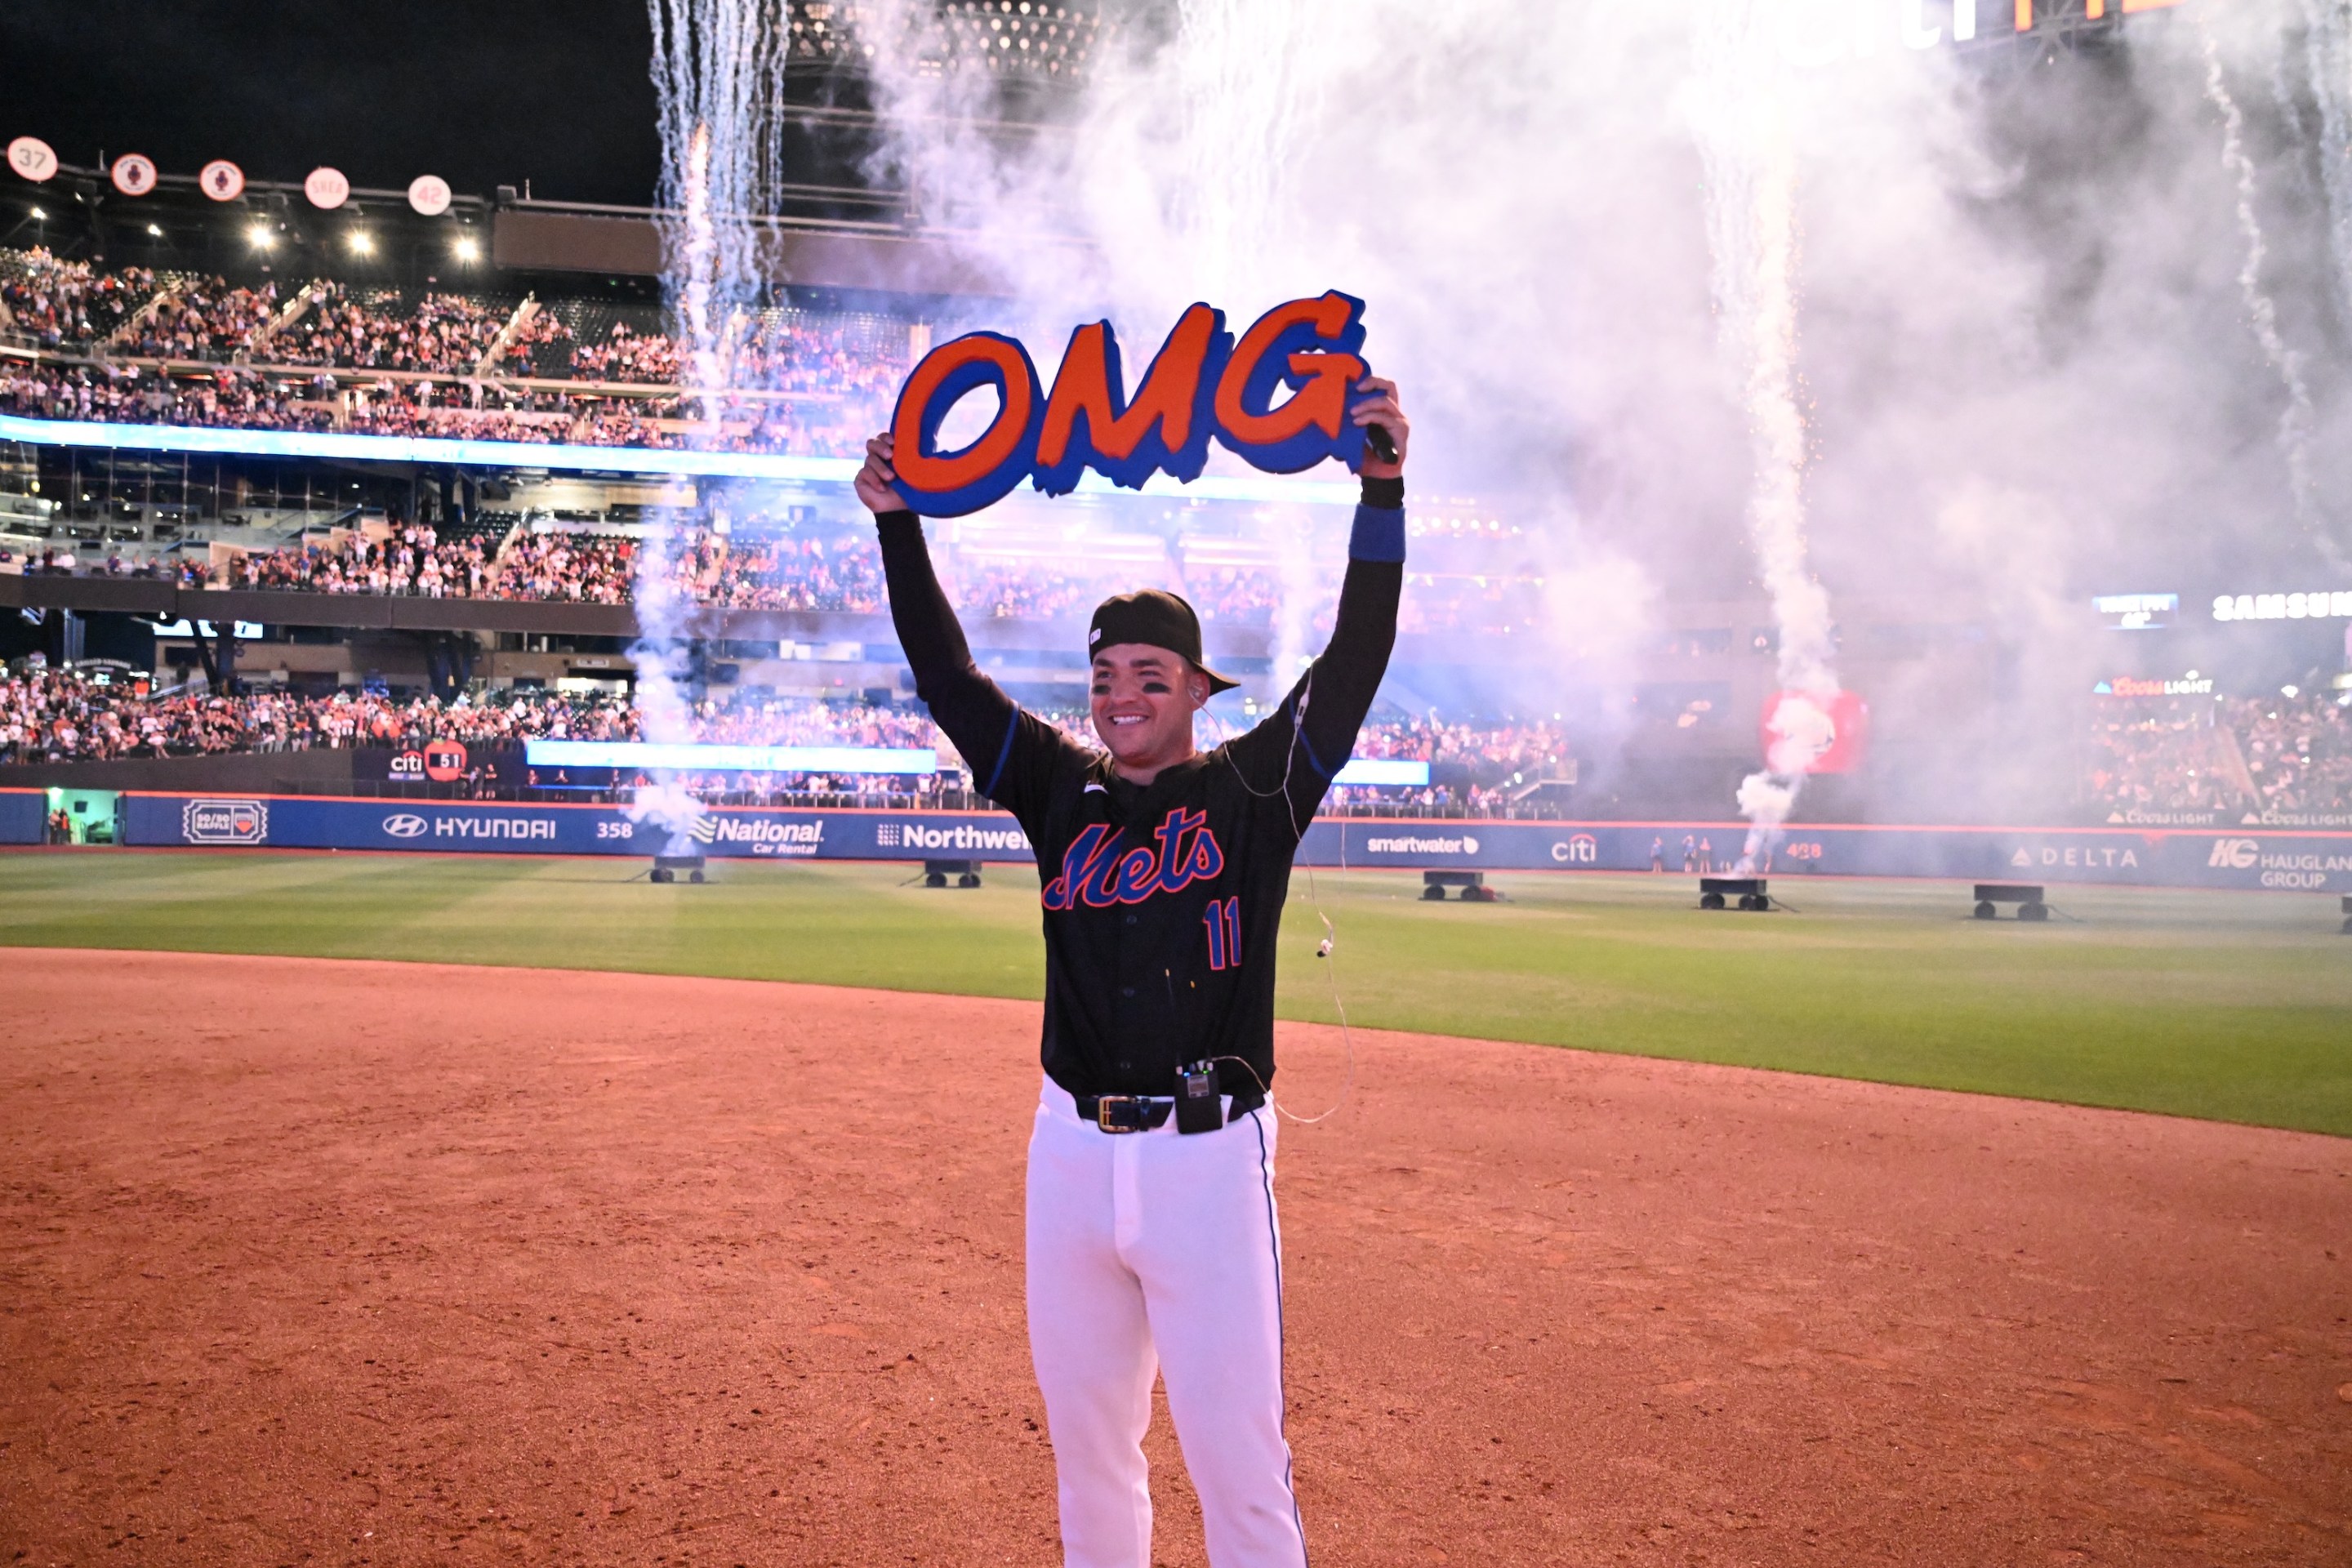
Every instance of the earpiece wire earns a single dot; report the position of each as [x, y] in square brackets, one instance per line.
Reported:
[1314, 897]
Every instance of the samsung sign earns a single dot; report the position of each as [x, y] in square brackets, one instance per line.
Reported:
[2334, 605]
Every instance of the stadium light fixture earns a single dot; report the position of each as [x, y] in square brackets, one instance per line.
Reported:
[39, 215]
[468, 248]
[362, 243]
[260, 236]
[155, 230]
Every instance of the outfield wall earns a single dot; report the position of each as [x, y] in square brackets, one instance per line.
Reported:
[22, 813]
[2245, 859]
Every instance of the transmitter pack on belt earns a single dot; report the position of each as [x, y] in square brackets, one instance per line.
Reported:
[1198, 1108]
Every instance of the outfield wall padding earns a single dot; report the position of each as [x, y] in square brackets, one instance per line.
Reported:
[2243, 858]
[22, 813]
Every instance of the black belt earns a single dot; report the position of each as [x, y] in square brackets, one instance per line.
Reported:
[1142, 1113]
[1124, 1113]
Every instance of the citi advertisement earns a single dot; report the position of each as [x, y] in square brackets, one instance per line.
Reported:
[2239, 859]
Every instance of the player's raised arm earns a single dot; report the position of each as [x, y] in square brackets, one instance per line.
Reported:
[1010, 753]
[1308, 738]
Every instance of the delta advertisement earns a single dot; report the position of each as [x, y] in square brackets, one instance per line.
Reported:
[23, 813]
[2225, 859]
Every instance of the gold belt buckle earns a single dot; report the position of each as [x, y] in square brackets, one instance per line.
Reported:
[1103, 1104]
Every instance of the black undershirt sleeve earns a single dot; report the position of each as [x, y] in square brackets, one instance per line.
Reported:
[1300, 756]
[1012, 754]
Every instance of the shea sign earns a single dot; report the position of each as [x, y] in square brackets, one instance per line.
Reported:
[1202, 384]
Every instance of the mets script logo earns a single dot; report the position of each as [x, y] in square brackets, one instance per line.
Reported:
[405, 825]
[224, 822]
[1096, 871]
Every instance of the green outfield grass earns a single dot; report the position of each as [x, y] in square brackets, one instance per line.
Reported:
[2226, 1006]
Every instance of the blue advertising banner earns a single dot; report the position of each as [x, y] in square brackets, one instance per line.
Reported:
[22, 814]
[2240, 857]
[2224, 858]
[312, 821]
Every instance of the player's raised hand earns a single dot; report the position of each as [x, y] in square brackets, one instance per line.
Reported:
[1382, 408]
[873, 478]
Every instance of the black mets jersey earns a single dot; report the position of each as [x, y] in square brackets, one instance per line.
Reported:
[1161, 902]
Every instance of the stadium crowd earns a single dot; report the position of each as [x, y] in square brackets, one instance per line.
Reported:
[203, 318]
[412, 560]
[628, 355]
[2285, 754]
[2298, 752]
[836, 375]
[54, 303]
[225, 398]
[446, 334]
[65, 716]
[2156, 759]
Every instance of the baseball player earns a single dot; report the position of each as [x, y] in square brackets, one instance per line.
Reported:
[1153, 1245]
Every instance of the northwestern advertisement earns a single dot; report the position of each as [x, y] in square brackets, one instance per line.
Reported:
[2245, 859]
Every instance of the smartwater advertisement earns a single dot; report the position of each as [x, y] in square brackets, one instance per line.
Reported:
[2225, 859]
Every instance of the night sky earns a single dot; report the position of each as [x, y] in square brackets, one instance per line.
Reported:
[484, 94]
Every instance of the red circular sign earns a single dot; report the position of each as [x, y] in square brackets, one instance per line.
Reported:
[222, 180]
[429, 195]
[327, 188]
[32, 157]
[134, 175]
[444, 761]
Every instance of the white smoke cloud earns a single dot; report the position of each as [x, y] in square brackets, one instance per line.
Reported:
[2021, 363]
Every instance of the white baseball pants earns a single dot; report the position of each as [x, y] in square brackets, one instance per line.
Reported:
[1154, 1252]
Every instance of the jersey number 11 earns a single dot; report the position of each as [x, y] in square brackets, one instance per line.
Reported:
[1223, 918]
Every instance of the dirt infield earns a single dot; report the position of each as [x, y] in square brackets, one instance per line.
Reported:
[312, 1261]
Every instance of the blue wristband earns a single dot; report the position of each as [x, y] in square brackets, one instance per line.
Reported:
[1379, 534]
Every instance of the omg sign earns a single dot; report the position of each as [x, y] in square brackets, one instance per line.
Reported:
[1201, 384]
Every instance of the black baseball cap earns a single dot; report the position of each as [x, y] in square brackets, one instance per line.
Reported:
[1157, 620]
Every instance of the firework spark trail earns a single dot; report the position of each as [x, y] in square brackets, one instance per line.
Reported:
[2327, 56]
[1751, 189]
[718, 67]
[1243, 90]
[2295, 424]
